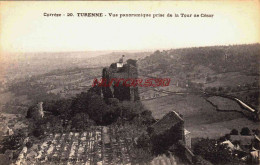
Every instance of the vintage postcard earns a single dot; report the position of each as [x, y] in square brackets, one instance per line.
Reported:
[125, 83]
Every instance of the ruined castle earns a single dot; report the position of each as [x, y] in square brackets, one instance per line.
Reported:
[121, 70]
[36, 112]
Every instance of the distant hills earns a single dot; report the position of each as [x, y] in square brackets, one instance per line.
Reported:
[219, 59]
[25, 65]
[232, 70]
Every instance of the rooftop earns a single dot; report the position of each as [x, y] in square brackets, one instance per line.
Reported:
[167, 122]
[244, 140]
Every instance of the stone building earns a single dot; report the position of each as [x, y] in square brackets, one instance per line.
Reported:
[167, 132]
[121, 71]
[171, 121]
[36, 112]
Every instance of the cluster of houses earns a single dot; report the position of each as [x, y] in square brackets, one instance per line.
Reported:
[244, 147]
[173, 136]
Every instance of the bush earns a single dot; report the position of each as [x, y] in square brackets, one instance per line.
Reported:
[256, 131]
[213, 90]
[234, 132]
[228, 89]
[147, 118]
[245, 131]
[200, 161]
[141, 156]
[12, 142]
[144, 141]
[29, 144]
[210, 150]
[81, 121]
[38, 132]
[131, 109]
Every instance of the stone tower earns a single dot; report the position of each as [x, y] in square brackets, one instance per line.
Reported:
[121, 92]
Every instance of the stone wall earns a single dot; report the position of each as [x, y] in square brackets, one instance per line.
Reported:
[120, 92]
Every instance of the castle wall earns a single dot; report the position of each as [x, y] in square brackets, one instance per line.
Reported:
[121, 92]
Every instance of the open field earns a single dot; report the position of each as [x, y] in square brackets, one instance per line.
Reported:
[225, 103]
[200, 117]
[190, 106]
[231, 79]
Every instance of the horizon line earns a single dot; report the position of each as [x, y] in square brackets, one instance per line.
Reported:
[131, 50]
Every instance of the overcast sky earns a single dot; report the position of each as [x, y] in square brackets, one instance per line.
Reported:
[25, 29]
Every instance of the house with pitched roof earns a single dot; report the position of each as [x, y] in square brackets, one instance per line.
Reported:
[167, 131]
[168, 134]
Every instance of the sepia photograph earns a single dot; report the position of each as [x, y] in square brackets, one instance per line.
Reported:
[129, 83]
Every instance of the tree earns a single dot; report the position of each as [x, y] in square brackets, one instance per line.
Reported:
[81, 102]
[245, 131]
[157, 52]
[97, 108]
[200, 85]
[81, 121]
[144, 141]
[12, 142]
[200, 161]
[132, 109]
[213, 89]
[256, 131]
[208, 89]
[141, 156]
[234, 132]
[131, 61]
[216, 153]
[220, 89]
[29, 144]
[227, 136]
[38, 132]
[146, 117]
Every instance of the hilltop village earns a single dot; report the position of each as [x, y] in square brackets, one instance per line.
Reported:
[96, 135]
[114, 124]
[104, 125]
